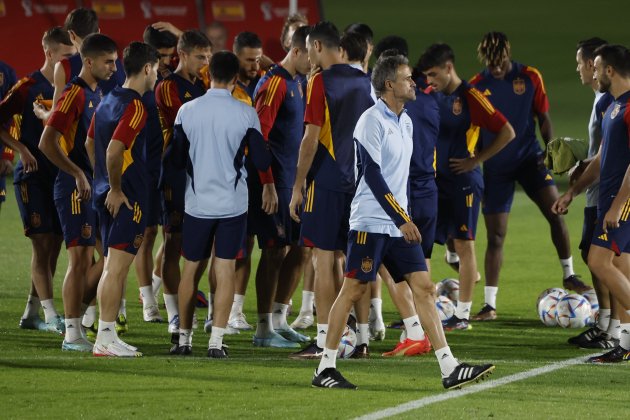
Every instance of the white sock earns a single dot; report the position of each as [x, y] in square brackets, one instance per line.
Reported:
[307, 302]
[363, 334]
[49, 310]
[156, 283]
[624, 336]
[106, 332]
[210, 303]
[279, 316]
[462, 310]
[567, 267]
[216, 338]
[614, 328]
[447, 362]
[413, 328]
[322, 330]
[89, 316]
[185, 337]
[172, 308]
[490, 295]
[263, 327]
[604, 319]
[32, 307]
[123, 307]
[148, 298]
[328, 360]
[451, 257]
[376, 304]
[73, 329]
[237, 305]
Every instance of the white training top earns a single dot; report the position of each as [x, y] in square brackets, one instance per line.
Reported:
[594, 140]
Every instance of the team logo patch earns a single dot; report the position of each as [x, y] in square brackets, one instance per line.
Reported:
[36, 220]
[86, 231]
[463, 228]
[176, 218]
[457, 106]
[548, 177]
[138, 241]
[519, 86]
[367, 264]
[615, 111]
[603, 237]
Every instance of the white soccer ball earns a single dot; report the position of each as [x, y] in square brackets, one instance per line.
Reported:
[556, 291]
[573, 311]
[445, 308]
[591, 296]
[547, 310]
[347, 344]
[449, 288]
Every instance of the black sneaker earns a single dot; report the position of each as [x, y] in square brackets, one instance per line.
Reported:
[603, 341]
[454, 323]
[465, 374]
[177, 350]
[215, 353]
[310, 352]
[399, 324]
[175, 338]
[331, 378]
[361, 352]
[616, 355]
[573, 282]
[487, 313]
[586, 336]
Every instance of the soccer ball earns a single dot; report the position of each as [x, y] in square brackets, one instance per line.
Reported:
[449, 288]
[591, 296]
[556, 291]
[573, 311]
[445, 308]
[347, 344]
[547, 310]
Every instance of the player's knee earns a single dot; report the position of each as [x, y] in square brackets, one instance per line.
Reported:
[496, 239]
[597, 263]
[354, 290]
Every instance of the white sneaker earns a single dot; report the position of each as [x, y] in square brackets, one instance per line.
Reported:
[303, 321]
[238, 322]
[114, 349]
[81, 344]
[152, 314]
[127, 346]
[173, 325]
[377, 329]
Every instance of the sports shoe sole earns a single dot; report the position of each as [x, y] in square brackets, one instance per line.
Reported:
[482, 376]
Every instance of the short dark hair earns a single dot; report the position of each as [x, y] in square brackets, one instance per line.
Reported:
[293, 19]
[159, 39]
[298, 40]
[617, 57]
[436, 55]
[492, 47]
[361, 29]
[246, 40]
[385, 69]
[392, 42]
[192, 39]
[588, 47]
[224, 66]
[82, 22]
[56, 35]
[136, 55]
[325, 32]
[355, 46]
[97, 44]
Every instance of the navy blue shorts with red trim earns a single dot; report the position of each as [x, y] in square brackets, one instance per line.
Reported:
[424, 211]
[618, 239]
[458, 210]
[172, 196]
[588, 228]
[325, 219]
[78, 220]
[226, 234]
[367, 251]
[125, 232]
[273, 230]
[36, 204]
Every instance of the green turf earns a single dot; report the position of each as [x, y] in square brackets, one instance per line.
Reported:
[37, 380]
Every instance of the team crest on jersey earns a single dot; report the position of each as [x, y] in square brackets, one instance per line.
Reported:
[519, 86]
[36, 220]
[138, 241]
[367, 264]
[615, 111]
[457, 106]
[86, 231]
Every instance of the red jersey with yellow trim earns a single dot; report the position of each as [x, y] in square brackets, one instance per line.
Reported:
[521, 97]
[463, 114]
[335, 100]
[71, 118]
[121, 116]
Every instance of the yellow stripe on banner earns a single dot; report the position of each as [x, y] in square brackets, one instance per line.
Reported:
[271, 92]
[74, 90]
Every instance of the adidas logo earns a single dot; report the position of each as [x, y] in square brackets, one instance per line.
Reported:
[390, 132]
[444, 356]
[279, 311]
[106, 330]
[415, 324]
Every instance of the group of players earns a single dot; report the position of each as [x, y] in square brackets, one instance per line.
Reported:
[324, 164]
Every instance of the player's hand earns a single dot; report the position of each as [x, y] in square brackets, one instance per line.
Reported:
[561, 205]
[167, 26]
[6, 167]
[265, 62]
[460, 166]
[40, 111]
[411, 233]
[29, 163]
[611, 218]
[269, 199]
[115, 199]
[296, 202]
[576, 172]
[83, 186]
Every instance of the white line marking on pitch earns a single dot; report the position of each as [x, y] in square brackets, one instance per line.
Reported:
[449, 395]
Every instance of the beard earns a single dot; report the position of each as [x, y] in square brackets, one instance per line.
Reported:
[603, 84]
